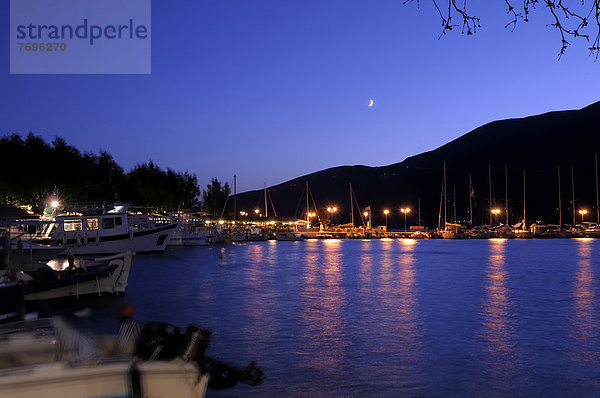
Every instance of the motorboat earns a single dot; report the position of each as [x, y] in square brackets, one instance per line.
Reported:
[188, 235]
[108, 233]
[73, 277]
[50, 358]
[191, 230]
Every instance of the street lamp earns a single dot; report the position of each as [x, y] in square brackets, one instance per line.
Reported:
[405, 211]
[583, 212]
[495, 212]
[386, 212]
[332, 211]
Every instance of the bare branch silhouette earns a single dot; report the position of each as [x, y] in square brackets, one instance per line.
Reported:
[568, 17]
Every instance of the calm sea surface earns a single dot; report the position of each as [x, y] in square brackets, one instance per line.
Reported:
[384, 317]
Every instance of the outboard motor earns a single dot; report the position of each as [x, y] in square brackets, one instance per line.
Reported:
[159, 340]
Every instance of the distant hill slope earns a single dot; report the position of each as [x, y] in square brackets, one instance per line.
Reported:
[537, 144]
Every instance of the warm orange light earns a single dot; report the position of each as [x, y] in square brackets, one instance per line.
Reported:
[386, 212]
[405, 210]
[583, 212]
[256, 211]
[495, 211]
[366, 213]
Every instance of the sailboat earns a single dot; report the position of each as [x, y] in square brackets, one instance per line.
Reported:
[449, 230]
[520, 230]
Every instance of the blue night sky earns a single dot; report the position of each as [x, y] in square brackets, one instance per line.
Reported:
[274, 89]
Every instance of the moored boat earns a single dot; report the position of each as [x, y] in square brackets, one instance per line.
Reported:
[107, 275]
[108, 233]
[52, 359]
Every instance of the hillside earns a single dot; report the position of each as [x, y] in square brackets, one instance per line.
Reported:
[537, 144]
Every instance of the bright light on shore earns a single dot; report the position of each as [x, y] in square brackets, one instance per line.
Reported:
[54, 204]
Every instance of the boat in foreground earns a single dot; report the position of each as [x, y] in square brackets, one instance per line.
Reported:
[51, 359]
[106, 275]
[176, 378]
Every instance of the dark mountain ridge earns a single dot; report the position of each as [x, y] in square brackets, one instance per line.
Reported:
[537, 144]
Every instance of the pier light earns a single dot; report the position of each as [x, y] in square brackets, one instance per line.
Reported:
[366, 214]
[405, 211]
[54, 204]
[583, 212]
[332, 211]
[256, 211]
[495, 212]
[386, 212]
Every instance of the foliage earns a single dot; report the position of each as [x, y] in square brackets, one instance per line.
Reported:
[215, 197]
[571, 18]
[32, 168]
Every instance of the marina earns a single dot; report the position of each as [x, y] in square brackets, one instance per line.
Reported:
[299, 199]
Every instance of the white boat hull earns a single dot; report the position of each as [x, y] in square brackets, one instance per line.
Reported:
[187, 240]
[145, 241]
[60, 380]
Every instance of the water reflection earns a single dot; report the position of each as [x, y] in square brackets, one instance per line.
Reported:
[498, 325]
[409, 325]
[322, 298]
[584, 324]
[257, 303]
[365, 267]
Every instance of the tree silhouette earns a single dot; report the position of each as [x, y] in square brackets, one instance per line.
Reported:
[32, 168]
[215, 197]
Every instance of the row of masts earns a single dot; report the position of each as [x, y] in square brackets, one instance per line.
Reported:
[366, 220]
[491, 207]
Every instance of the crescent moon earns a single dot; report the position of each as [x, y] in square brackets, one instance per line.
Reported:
[371, 103]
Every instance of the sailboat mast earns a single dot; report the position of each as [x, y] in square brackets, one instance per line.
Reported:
[266, 207]
[490, 186]
[471, 200]
[573, 193]
[597, 198]
[454, 201]
[524, 202]
[234, 197]
[559, 201]
[307, 205]
[351, 206]
[419, 210]
[445, 197]
[506, 192]
[441, 198]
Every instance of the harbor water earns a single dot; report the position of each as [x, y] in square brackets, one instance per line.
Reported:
[382, 317]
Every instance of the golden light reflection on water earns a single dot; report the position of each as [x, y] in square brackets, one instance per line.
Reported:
[257, 302]
[498, 326]
[365, 267]
[584, 323]
[408, 324]
[323, 297]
